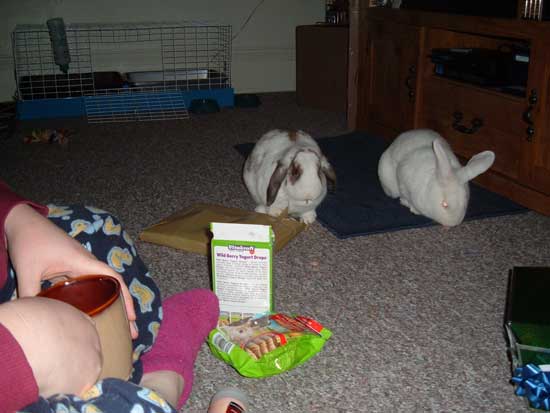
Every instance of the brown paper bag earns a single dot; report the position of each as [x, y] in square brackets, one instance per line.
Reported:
[189, 229]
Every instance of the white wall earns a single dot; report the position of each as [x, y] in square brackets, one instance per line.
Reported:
[263, 56]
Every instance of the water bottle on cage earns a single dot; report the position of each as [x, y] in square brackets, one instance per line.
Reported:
[60, 47]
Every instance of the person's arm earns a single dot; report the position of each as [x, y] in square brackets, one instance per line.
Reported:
[46, 347]
[39, 250]
[15, 369]
[36, 245]
[8, 200]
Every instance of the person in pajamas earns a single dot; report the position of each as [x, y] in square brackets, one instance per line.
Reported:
[50, 352]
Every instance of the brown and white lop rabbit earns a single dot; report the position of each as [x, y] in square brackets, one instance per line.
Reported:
[287, 170]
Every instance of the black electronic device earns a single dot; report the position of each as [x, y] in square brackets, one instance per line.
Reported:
[487, 8]
[505, 69]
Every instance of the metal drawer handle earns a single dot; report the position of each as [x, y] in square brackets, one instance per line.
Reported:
[477, 123]
[528, 115]
[408, 82]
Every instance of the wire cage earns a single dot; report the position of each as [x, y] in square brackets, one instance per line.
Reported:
[120, 72]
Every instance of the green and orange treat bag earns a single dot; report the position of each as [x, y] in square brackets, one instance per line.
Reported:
[268, 344]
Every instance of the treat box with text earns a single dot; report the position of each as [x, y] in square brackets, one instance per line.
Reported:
[242, 269]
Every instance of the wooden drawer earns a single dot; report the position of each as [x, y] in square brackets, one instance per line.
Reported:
[502, 130]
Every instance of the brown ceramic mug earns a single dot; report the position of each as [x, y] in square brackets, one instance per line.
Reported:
[100, 297]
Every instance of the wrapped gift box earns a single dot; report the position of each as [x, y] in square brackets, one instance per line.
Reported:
[527, 320]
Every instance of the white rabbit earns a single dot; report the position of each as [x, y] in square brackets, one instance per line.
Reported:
[420, 169]
[287, 170]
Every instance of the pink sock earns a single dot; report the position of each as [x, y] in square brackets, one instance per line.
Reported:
[188, 317]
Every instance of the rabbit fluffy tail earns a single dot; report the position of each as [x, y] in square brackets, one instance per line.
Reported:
[387, 175]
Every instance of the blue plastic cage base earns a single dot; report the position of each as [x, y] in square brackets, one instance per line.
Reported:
[127, 106]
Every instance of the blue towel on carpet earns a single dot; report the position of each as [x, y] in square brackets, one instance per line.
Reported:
[359, 205]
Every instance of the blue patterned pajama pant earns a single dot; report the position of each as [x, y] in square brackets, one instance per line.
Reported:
[103, 235]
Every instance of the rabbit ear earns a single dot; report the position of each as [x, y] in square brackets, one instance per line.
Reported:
[327, 169]
[275, 182]
[476, 166]
[443, 169]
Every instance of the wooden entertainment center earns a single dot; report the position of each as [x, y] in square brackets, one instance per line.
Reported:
[392, 87]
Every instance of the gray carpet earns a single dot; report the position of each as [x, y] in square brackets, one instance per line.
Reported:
[416, 314]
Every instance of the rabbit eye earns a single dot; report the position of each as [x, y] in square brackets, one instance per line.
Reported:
[444, 204]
